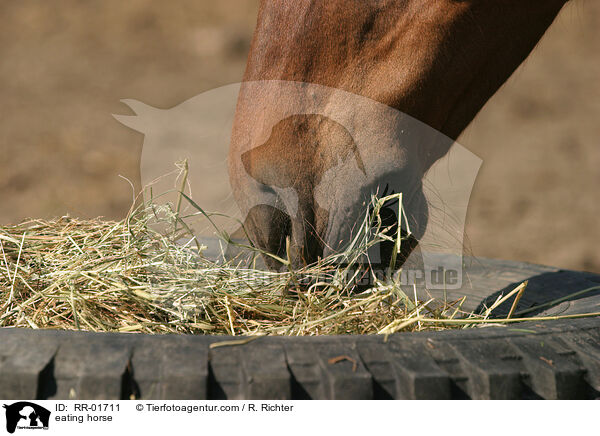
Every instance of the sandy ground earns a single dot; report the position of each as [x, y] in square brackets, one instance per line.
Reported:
[64, 67]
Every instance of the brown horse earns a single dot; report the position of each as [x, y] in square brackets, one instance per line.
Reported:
[435, 61]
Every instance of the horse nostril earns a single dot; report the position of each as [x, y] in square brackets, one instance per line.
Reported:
[268, 228]
[389, 223]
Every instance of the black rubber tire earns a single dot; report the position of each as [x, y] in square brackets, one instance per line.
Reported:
[551, 359]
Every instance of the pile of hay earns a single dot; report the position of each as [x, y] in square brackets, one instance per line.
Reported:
[124, 276]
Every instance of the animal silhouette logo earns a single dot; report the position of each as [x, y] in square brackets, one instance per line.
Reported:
[26, 415]
[365, 148]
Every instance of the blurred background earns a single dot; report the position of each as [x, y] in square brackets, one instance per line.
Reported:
[65, 65]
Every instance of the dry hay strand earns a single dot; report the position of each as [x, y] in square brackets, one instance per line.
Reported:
[123, 276]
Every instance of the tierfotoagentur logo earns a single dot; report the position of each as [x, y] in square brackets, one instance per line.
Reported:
[348, 148]
[25, 415]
